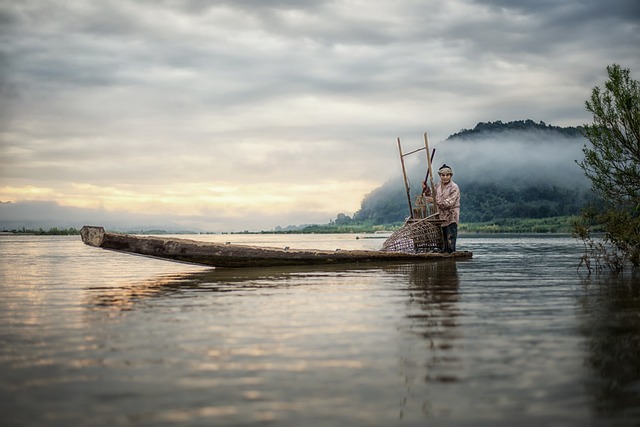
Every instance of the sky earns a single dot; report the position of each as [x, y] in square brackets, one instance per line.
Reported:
[252, 114]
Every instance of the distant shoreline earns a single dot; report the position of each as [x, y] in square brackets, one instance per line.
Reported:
[554, 225]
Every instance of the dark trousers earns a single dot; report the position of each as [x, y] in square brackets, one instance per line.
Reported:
[450, 235]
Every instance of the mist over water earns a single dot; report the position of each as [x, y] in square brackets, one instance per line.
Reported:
[515, 158]
[507, 158]
[510, 159]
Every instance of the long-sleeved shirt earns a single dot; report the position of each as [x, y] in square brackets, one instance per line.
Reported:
[448, 201]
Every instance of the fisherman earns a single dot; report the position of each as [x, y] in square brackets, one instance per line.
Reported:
[448, 202]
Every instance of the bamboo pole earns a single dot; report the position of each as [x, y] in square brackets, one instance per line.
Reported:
[430, 169]
[406, 183]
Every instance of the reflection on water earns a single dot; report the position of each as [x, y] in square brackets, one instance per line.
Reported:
[428, 292]
[237, 280]
[611, 326]
[511, 337]
[431, 312]
[430, 307]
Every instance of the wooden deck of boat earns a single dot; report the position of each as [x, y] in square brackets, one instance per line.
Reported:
[242, 256]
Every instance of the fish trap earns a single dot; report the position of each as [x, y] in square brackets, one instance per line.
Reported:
[416, 236]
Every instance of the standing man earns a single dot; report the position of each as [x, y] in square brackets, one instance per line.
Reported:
[448, 202]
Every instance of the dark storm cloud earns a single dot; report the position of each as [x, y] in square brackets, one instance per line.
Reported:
[565, 10]
[111, 43]
[548, 26]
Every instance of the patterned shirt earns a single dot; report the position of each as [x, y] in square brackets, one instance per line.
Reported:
[448, 201]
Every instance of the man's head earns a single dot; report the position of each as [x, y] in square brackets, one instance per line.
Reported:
[445, 173]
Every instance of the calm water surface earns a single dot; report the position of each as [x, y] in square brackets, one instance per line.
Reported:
[514, 336]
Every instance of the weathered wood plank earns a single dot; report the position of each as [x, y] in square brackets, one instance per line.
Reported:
[241, 256]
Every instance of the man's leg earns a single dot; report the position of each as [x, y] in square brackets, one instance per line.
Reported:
[450, 235]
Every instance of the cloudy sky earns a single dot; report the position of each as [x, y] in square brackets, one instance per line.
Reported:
[257, 113]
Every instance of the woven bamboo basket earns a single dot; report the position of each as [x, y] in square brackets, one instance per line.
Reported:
[416, 236]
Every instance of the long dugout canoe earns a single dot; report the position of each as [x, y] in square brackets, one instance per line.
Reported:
[241, 256]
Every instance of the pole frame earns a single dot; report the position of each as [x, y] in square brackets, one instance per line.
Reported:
[429, 174]
[404, 174]
[430, 170]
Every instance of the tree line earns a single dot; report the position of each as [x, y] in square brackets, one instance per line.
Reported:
[54, 231]
[480, 203]
[519, 125]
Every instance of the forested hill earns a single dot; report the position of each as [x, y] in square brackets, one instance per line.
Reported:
[498, 127]
[520, 169]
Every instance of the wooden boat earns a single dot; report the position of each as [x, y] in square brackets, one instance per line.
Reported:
[239, 256]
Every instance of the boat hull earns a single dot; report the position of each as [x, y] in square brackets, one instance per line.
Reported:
[242, 256]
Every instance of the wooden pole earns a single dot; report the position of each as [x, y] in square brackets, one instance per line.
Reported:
[430, 169]
[406, 183]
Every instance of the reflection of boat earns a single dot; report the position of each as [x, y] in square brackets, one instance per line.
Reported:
[228, 255]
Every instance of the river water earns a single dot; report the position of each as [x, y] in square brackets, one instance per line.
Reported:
[514, 336]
